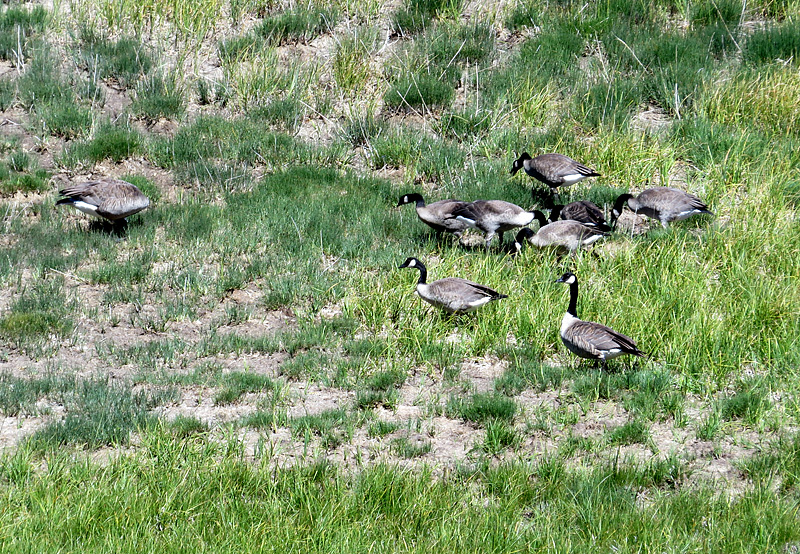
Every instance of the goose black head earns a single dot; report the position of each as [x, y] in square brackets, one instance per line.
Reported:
[568, 278]
[409, 198]
[411, 262]
[519, 163]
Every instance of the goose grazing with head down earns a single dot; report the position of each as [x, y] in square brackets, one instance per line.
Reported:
[583, 211]
[564, 234]
[109, 199]
[665, 204]
[554, 170]
[524, 235]
[493, 217]
[587, 339]
[451, 294]
[437, 215]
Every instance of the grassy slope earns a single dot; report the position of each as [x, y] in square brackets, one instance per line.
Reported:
[309, 224]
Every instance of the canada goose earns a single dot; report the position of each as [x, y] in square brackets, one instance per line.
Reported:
[437, 214]
[554, 170]
[565, 234]
[524, 235]
[452, 294]
[493, 217]
[583, 211]
[588, 339]
[109, 199]
[662, 203]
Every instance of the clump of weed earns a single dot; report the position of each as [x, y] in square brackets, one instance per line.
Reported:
[18, 30]
[67, 119]
[299, 24]
[780, 462]
[415, 15]
[99, 414]
[42, 82]
[360, 130]
[186, 426]
[112, 142]
[419, 90]
[381, 428]
[333, 426]
[20, 173]
[524, 373]
[123, 60]
[19, 395]
[8, 93]
[284, 114]
[239, 48]
[39, 313]
[482, 407]
[777, 42]
[237, 383]
[632, 432]
[406, 448]
[444, 45]
[499, 436]
[380, 389]
[748, 404]
[350, 60]
[713, 13]
[158, 96]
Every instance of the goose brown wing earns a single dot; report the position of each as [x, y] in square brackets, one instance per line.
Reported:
[555, 166]
[83, 192]
[114, 199]
[488, 209]
[584, 211]
[459, 294]
[596, 338]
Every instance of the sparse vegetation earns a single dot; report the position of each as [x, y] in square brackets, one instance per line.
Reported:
[260, 288]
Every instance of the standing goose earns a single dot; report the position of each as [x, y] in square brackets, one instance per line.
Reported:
[437, 215]
[554, 170]
[583, 211]
[109, 199]
[493, 217]
[665, 204]
[565, 234]
[588, 339]
[451, 294]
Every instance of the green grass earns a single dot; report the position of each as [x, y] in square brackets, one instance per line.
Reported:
[299, 24]
[99, 414]
[109, 141]
[483, 408]
[19, 29]
[19, 172]
[321, 503]
[237, 383]
[123, 60]
[159, 96]
[271, 249]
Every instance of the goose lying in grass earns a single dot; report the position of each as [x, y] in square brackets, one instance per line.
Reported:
[588, 339]
[108, 199]
[665, 204]
[554, 170]
[451, 294]
[493, 217]
[437, 215]
[582, 211]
